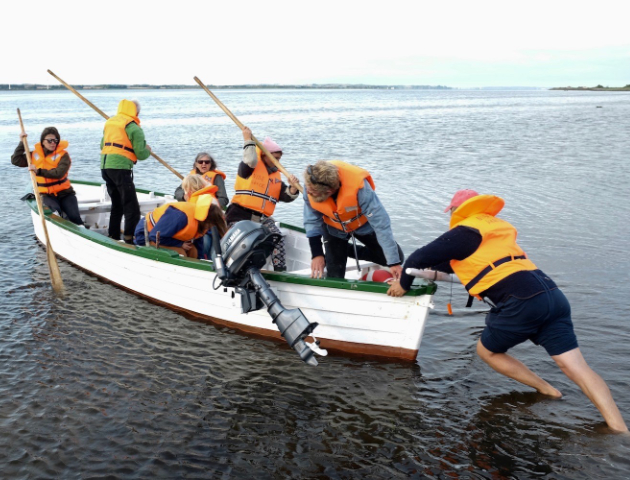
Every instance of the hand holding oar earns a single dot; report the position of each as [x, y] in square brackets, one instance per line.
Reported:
[69, 87]
[241, 126]
[53, 267]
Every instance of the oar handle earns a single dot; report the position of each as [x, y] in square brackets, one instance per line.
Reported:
[104, 115]
[28, 155]
[69, 87]
[277, 164]
[181, 177]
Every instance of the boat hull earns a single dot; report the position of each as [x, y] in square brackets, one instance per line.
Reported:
[354, 317]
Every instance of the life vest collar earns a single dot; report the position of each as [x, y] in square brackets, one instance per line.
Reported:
[488, 204]
[209, 190]
[202, 206]
[57, 153]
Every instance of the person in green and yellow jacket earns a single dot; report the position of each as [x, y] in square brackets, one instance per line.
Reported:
[123, 144]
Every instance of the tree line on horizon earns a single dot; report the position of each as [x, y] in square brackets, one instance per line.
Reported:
[34, 86]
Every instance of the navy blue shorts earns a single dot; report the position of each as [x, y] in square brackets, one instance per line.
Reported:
[545, 319]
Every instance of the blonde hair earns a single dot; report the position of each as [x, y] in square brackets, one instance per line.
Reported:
[322, 176]
[192, 183]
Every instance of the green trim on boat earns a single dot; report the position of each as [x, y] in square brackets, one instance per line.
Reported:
[171, 257]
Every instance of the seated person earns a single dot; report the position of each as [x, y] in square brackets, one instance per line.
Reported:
[51, 164]
[206, 167]
[181, 225]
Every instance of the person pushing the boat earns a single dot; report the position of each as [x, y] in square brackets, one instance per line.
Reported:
[481, 250]
[122, 145]
[51, 164]
[258, 188]
[340, 204]
[206, 167]
[181, 226]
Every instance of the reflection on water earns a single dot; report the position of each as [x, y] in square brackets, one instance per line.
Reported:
[101, 383]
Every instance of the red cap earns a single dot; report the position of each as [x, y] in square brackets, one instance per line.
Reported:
[460, 197]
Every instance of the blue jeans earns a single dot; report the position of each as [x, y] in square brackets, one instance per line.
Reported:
[207, 245]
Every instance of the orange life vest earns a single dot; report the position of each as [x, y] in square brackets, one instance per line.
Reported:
[189, 232]
[345, 213]
[209, 176]
[498, 255]
[50, 186]
[115, 139]
[209, 190]
[261, 191]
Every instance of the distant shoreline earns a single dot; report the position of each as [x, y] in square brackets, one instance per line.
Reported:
[594, 89]
[331, 86]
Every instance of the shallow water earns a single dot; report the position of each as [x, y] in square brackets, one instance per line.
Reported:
[103, 384]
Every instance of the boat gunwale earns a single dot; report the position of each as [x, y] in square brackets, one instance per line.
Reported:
[171, 257]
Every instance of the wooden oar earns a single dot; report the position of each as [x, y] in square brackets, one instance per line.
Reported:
[69, 87]
[241, 126]
[53, 267]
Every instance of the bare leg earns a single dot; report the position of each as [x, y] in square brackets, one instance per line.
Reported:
[574, 366]
[516, 370]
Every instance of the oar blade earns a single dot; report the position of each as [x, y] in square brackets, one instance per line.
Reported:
[53, 267]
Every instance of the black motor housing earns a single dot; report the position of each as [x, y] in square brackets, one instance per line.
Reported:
[244, 250]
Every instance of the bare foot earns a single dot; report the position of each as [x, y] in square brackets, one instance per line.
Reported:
[552, 392]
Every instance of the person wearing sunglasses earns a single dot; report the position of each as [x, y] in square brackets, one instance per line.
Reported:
[258, 188]
[51, 164]
[341, 204]
[206, 166]
[481, 249]
[122, 145]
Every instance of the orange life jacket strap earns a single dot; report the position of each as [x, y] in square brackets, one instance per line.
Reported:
[491, 267]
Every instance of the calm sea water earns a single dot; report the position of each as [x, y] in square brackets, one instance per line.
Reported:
[103, 384]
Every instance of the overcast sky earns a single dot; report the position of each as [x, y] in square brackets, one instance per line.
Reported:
[454, 43]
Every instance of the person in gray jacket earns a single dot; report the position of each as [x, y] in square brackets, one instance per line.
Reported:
[341, 204]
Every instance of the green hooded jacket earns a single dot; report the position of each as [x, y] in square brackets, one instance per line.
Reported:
[136, 137]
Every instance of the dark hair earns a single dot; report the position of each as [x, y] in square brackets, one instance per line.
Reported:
[215, 218]
[48, 131]
[213, 163]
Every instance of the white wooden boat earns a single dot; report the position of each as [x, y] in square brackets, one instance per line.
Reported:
[354, 316]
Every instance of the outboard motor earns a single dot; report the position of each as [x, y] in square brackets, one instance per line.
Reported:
[243, 252]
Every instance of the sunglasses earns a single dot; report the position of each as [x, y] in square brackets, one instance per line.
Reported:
[51, 140]
[314, 179]
[204, 162]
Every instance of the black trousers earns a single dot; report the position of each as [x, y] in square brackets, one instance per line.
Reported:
[122, 191]
[337, 251]
[66, 205]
